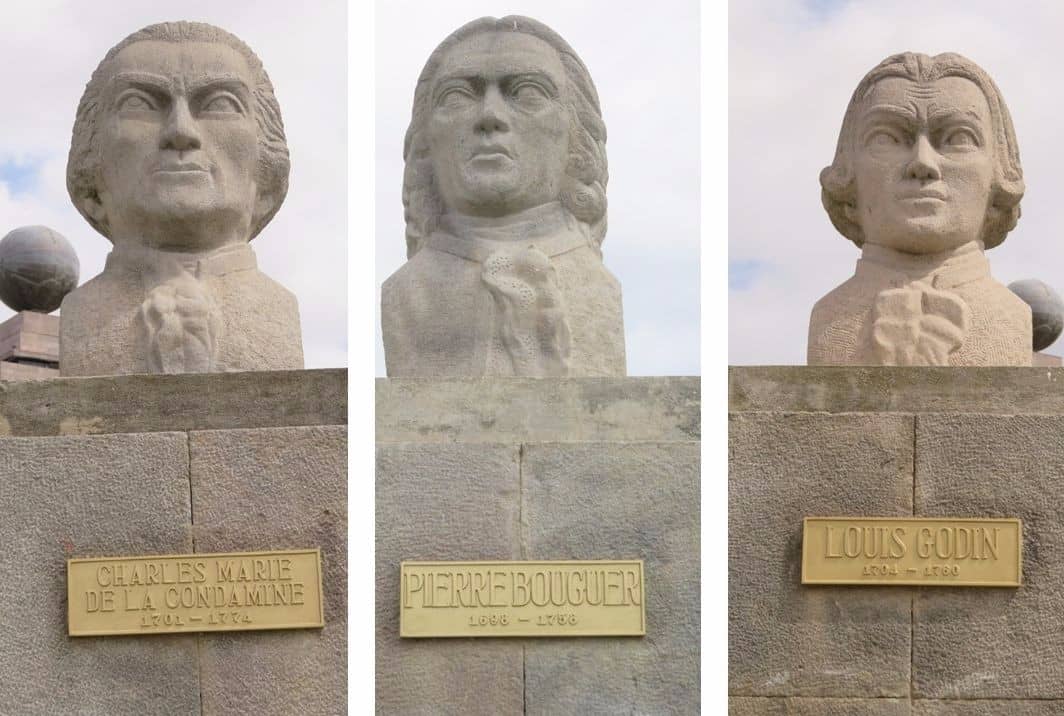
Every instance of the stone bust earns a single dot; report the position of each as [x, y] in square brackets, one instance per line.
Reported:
[926, 177]
[179, 158]
[505, 198]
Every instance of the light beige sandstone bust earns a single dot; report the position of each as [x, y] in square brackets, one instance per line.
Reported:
[926, 177]
[505, 197]
[179, 158]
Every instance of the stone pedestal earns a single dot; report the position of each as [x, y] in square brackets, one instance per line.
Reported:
[141, 465]
[29, 347]
[926, 442]
[589, 468]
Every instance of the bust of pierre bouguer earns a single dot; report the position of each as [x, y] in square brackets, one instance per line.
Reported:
[505, 197]
[926, 178]
[179, 158]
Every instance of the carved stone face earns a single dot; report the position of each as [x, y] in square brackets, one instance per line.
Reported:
[178, 146]
[498, 133]
[923, 164]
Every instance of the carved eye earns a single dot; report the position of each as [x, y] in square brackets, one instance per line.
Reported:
[883, 138]
[961, 138]
[136, 103]
[454, 98]
[224, 103]
[529, 94]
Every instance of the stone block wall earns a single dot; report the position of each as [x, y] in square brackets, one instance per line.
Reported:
[975, 442]
[117, 466]
[593, 468]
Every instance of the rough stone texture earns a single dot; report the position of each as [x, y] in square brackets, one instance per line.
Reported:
[994, 643]
[785, 639]
[922, 207]
[38, 267]
[64, 497]
[282, 488]
[807, 706]
[143, 403]
[505, 219]
[988, 707]
[179, 194]
[624, 501]
[905, 390]
[456, 502]
[550, 410]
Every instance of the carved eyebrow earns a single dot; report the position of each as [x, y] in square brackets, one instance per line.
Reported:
[232, 82]
[892, 110]
[953, 113]
[142, 79]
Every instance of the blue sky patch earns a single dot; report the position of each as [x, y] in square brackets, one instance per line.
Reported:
[824, 9]
[20, 176]
[742, 275]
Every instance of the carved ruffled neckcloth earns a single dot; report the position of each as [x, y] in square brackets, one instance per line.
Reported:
[179, 323]
[920, 319]
[532, 336]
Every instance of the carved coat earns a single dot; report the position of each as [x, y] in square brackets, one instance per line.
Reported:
[902, 309]
[532, 298]
[253, 321]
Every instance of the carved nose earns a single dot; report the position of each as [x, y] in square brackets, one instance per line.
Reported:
[492, 113]
[924, 163]
[180, 132]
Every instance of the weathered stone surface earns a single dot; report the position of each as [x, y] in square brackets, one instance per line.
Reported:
[179, 195]
[618, 501]
[64, 497]
[854, 389]
[987, 707]
[785, 639]
[811, 706]
[923, 203]
[518, 410]
[455, 502]
[281, 488]
[150, 403]
[505, 218]
[994, 643]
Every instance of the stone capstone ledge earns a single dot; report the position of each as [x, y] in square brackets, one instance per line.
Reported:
[853, 389]
[159, 403]
[516, 410]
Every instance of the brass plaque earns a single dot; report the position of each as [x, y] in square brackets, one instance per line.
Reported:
[929, 552]
[595, 598]
[194, 592]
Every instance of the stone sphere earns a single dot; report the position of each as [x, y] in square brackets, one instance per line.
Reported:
[1047, 310]
[38, 267]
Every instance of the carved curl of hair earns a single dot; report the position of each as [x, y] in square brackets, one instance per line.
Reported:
[839, 190]
[584, 186]
[273, 164]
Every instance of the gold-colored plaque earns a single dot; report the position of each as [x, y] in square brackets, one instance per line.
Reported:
[923, 551]
[569, 598]
[194, 592]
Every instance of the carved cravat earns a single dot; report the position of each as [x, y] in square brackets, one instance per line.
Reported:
[919, 319]
[531, 335]
[179, 323]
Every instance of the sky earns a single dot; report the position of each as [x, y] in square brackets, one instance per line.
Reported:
[793, 65]
[646, 69]
[45, 65]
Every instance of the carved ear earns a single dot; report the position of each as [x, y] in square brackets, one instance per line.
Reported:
[850, 212]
